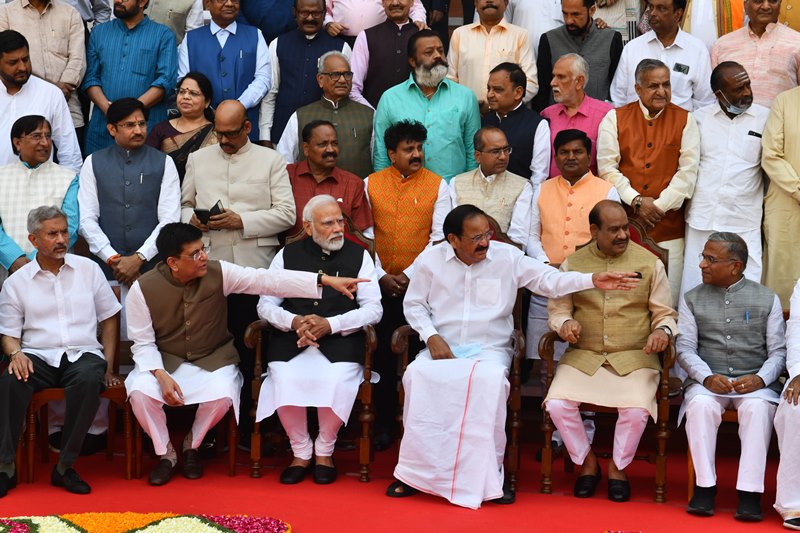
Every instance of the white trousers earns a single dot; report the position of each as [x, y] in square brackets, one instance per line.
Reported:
[696, 240]
[151, 416]
[537, 327]
[674, 266]
[787, 426]
[295, 422]
[627, 433]
[703, 417]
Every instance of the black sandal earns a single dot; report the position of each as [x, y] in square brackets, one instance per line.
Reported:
[392, 490]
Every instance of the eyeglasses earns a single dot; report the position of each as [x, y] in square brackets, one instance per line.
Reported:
[193, 94]
[334, 76]
[497, 151]
[132, 124]
[223, 2]
[305, 13]
[204, 251]
[230, 134]
[478, 238]
[713, 260]
[38, 136]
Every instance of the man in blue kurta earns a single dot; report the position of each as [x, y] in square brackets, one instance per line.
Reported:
[234, 57]
[448, 110]
[130, 56]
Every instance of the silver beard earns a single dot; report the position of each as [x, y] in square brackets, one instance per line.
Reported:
[430, 78]
[333, 243]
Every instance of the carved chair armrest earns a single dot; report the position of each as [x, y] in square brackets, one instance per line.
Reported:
[370, 345]
[400, 343]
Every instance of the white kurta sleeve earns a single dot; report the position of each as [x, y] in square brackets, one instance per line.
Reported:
[266, 113]
[608, 158]
[146, 355]
[681, 186]
[520, 226]
[415, 304]
[776, 345]
[686, 345]
[269, 307]
[547, 281]
[540, 162]
[793, 335]
[288, 146]
[534, 247]
[285, 283]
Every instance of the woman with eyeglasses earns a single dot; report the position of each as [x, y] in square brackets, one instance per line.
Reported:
[193, 128]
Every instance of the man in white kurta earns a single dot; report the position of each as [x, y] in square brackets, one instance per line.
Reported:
[729, 191]
[182, 349]
[316, 354]
[460, 301]
[787, 425]
[732, 344]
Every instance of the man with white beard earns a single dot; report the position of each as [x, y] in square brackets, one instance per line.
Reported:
[317, 350]
[448, 110]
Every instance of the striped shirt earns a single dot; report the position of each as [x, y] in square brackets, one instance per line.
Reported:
[772, 61]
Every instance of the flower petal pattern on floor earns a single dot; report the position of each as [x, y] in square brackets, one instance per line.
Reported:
[143, 523]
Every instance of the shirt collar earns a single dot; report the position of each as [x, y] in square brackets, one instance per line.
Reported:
[488, 179]
[719, 111]
[335, 105]
[738, 285]
[34, 268]
[304, 169]
[412, 83]
[145, 21]
[680, 39]
[216, 28]
[513, 111]
[502, 24]
[584, 177]
[646, 113]
[769, 29]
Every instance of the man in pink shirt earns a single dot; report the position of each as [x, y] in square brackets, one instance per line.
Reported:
[573, 109]
[348, 18]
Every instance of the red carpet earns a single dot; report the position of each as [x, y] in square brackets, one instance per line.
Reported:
[351, 506]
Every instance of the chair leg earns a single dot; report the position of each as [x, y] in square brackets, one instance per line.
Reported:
[690, 478]
[233, 438]
[44, 433]
[137, 450]
[547, 454]
[512, 451]
[127, 422]
[112, 430]
[31, 442]
[662, 435]
[255, 451]
[20, 459]
[366, 417]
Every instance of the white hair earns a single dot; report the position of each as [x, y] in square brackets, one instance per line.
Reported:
[579, 66]
[314, 203]
[324, 57]
[39, 214]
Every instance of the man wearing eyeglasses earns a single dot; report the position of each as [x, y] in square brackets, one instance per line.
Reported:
[456, 449]
[771, 75]
[294, 57]
[503, 195]
[353, 121]
[128, 192]
[182, 348]
[251, 186]
[732, 343]
[234, 57]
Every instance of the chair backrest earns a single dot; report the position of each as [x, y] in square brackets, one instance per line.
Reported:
[351, 233]
[639, 235]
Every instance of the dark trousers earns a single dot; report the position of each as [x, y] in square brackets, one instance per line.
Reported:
[241, 312]
[82, 382]
[385, 363]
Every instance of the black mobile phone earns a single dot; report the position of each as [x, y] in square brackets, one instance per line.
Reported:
[203, 215]
[217, 209]
[638, 275]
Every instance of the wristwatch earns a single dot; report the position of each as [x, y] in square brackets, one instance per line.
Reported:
[667, 330]
[141, 256]
[12, 354]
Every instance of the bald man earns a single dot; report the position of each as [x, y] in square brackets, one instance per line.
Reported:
[248, 199]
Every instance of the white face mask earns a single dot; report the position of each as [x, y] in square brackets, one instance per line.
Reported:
[730, 108]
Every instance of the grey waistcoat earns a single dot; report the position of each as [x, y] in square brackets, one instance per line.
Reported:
[595, 50]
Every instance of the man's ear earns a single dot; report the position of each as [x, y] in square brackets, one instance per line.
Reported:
[593, 229]
[172, 263]
[451, 238]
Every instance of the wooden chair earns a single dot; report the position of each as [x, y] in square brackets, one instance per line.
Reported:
[115, 394]
[366, 416]
[667, 358]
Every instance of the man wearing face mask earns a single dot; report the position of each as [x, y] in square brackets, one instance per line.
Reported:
[729, 189]
[769, 51]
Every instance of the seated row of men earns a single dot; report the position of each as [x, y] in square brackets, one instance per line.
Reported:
[730, 339]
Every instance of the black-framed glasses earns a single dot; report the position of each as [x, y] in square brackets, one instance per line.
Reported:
[478, 238]
[334, 76]
[204, 251]
[497, 151]
[713, 260]
[313, 13]
[230, 134]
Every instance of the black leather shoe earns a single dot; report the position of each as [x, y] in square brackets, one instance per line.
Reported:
[586, 485]
[7, 483]
[792, 523]
[162, 473]
[702, 503]
[192, 467]
[749, 508]
[619, 490]
[383, 441]
[70, 480]
[324, 475]
[509, 496]
[292, 475]
[398, 489]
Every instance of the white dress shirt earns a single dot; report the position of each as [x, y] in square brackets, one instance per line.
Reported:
[39, 97]
[540, 162]
[793, 335]
[440, 210]
[699, 370]
[251, 96]
[359, 15]
[235, 280]
[267, 112]
[534, 246]
[480, 310]
[54, 314]
[687, 59]
[682, 184]
[520, 223]
[729, 192]
[169, 210]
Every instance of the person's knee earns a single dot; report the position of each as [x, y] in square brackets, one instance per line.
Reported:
[702, 405]
[560, 408]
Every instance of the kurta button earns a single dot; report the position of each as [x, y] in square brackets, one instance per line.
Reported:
[397, 51]
[189, 323]
[188, 337]
[569, 204]
[647, 165]
[571, 191]
[565, 246]
[568, 219]
[608, 297]
[728, 337]
[188, 354]
[646, 187]
[186, 305]
[127, 206]
[649, 145]
[727, 302]
[730, 369]
[605, 353]
[605, 316]
[316, 304]
[650, 123]
[727, 320]
[566, 233]
[605, 337]
[127, 182]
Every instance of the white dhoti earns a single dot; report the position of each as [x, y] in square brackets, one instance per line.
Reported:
[215, 392]
[633, 395]
[696, 241]
[704, 409]
[787, 426]
[454, 427]
[310, 380]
